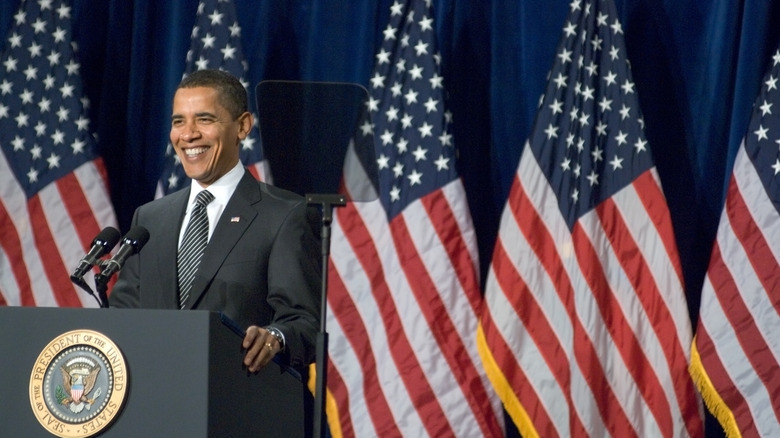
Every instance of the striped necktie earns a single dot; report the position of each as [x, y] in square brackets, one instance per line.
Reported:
[193, 244]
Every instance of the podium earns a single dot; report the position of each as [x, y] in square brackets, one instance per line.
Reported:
[184, 375]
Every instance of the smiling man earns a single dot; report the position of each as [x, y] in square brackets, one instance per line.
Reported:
[228, 242]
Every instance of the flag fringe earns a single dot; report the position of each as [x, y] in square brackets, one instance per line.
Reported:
[503, 389]
[712, 399]
[331, 408]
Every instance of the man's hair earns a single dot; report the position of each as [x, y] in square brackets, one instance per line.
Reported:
[232, 94]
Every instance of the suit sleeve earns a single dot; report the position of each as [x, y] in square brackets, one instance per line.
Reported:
[294, 283]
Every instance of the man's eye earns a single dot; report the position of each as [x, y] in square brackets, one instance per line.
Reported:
[176, 122]
[206, 121]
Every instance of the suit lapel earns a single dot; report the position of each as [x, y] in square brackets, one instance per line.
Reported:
[235, 219]
[169, 241]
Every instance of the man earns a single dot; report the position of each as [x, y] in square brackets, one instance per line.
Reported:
[260, 265]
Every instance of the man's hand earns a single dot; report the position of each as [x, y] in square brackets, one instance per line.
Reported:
[260, 346]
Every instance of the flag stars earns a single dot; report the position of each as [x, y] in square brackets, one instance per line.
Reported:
[36, 152]
[421, 48]
[21, 119]
[430, 105]
[54, 58]
[392, 113]
[419, 153]
[31, 73]
[565, 56]
[640, 145]
[556, 107]
[72, 67]
[398, 170]
[570, 29]
[235, 30]
[389, 33]
[416, 72]
[395, 194]
[411, 97]
[445, 139]
[383, 162]
[216, 18]
[771, 83]
[442, 163]
[436, 81]
[208, 41]
[766, 108]
[560, 80]
[26, 96]
[58, 137]
[551, 131]
[406, 121]
[624, 112]
[62, 114]
[59, 35]
[616, 163]
[15, 40]
[387, 137]
[426, 24]
[610, 78]
[776, 166]
[425, 130]
[621, 138]
[415, 178]
[3, 111]
[593, 178]
[10, 64]
[39, 26]
[597, 154]
[228, 52]
[378, 81]
[761, 133]
[78, 146]
[372, 104]
[383, 57]
[32, 175]
[402, 146]
[605, 104]
[53, 160]
[628, 87]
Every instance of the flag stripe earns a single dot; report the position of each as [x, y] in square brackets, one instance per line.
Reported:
[353, 329]
[367, 252]
[591, 245]
[54, 197]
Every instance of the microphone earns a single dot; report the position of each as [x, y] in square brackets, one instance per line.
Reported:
[133, 241]
[104, 242]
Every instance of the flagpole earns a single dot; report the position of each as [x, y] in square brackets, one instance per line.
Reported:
[327, 202]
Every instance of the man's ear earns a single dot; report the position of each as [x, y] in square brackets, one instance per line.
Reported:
[244, 125]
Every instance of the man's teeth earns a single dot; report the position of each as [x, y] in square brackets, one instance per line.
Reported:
[194, 151]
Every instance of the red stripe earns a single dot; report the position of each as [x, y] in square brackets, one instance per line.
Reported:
[441, 325]
[339, 391]
[657, 211]
[640, 275]
[623, 338]
[79, 210]
[253, 170]
[410, 370]
[760, 254]
[448, 230]
[354, 331]
[654, 201]
[722, 382]
[12, 246]
[752, 342]
[53, 266]
[539, 239]
[535, 323]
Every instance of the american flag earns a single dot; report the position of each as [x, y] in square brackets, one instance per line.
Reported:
[216, 44]
[403, 294]
[585, 329]
[737, 346]
[53, 187]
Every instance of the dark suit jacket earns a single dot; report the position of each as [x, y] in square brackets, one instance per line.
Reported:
[261, 266]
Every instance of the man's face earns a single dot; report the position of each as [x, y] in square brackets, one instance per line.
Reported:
[204, 135]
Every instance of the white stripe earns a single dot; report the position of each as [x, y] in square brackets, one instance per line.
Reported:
[586, 307]
[734, 360]
[359, 288]
[66, 239]
[757, 299]
[16, 205]
[445, 279]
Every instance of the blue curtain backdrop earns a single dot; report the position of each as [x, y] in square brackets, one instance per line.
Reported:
[697, 65]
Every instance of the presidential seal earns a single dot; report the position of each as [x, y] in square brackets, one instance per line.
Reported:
[78, 384]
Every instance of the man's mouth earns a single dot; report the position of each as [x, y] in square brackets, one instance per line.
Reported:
[192, 152]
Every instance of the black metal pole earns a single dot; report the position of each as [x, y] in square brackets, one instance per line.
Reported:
[327, 202]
